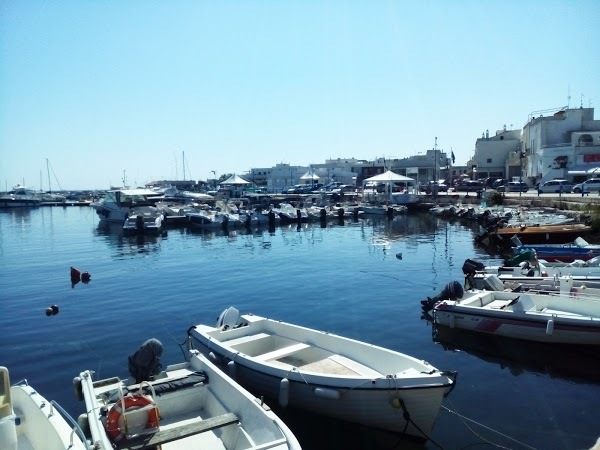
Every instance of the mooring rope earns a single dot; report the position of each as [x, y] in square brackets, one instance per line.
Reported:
[464, 419]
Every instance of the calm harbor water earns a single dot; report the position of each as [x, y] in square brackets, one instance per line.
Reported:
[363, 279]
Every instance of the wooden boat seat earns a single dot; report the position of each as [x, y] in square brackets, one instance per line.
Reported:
[244, 339]
[179, 432]
[280, 353]
[498, 304]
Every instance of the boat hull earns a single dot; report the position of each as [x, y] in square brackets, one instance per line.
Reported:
[563, 319]
[19, 203]
[370, 406]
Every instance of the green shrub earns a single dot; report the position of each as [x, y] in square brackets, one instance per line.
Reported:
[495, 198]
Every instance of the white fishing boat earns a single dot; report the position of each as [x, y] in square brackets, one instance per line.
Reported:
[570, 315]
[191, 405]
[325, 373]
[538, 271]
[30, 422]
[290, 214]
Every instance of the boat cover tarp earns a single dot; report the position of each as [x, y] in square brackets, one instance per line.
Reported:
[162, 387]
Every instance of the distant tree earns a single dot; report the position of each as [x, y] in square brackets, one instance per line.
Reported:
[225, 176]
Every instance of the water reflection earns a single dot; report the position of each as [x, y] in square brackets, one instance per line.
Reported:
[569, 362]
[125, 245]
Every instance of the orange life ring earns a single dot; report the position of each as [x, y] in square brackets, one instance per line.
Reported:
[117, 431]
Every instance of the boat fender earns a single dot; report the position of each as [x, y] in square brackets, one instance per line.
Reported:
[129, 403]
[84, 424]
[550, 327]
[213, 358]
[330, 394]
[77, 389]
[284, 392]
[231, 369]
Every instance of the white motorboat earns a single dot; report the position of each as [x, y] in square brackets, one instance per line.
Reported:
[187, 406]
[30, 422]
[144, 220]
[290, 214]
[20, 197]
[326, 374]
[569, 316]
[538, 271]
[118, 204]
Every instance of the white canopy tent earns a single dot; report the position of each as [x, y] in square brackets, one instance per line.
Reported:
[389, 180]
[235, 180]
[310, 176]
[389, 177]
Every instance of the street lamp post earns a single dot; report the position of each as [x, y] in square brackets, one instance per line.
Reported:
[521, 155]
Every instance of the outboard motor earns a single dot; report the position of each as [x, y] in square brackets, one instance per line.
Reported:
[452, 291]
[145, 362]
[470, 267]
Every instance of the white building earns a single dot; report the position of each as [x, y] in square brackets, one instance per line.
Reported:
[497, 156]
[561, 143]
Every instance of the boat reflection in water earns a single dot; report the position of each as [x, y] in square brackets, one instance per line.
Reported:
[564, 361]
[128, 245]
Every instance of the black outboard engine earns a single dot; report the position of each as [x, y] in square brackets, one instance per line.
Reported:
[145, 362]
[470, 267]
[452, 291]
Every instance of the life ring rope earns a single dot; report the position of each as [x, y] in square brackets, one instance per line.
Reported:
[117, 427]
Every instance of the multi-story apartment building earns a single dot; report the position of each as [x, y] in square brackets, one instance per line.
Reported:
[562, 144]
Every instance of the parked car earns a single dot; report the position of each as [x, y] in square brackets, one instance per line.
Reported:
[300, 189]
[555, 186]
[513, 186]
[470, 186]
[440, 186]
[499, 182]
[591, 185]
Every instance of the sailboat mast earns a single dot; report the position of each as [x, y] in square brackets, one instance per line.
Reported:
[183, 164]
[48, 170]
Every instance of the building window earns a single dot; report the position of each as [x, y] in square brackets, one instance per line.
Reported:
[585, 140]
[489, 160]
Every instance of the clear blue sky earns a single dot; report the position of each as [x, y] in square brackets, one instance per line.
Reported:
[102, 87]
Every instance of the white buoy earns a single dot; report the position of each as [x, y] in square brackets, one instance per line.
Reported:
[550, 327]
[331, 394]
[231, 369]
[284, 392]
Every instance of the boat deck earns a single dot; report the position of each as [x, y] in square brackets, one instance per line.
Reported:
[287, 353]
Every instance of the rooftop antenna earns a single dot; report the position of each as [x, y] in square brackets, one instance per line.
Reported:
[569, 97]
[581, 104]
